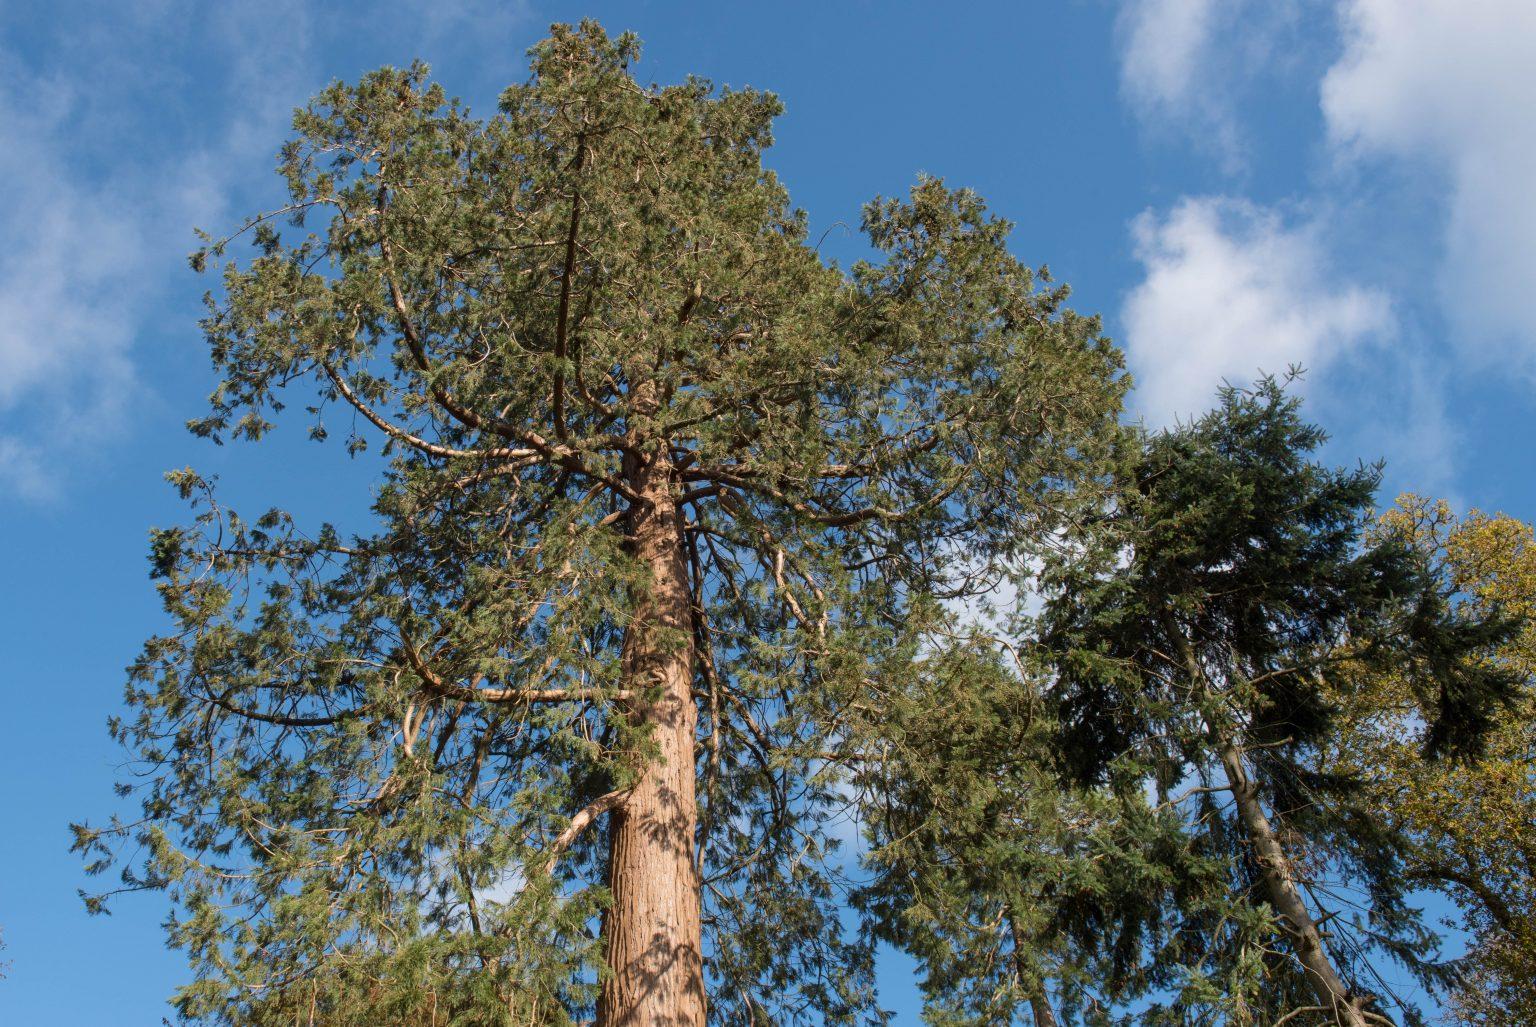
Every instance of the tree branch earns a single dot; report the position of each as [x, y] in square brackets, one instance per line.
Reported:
[525, 456]
[580, 822]
[562, 317]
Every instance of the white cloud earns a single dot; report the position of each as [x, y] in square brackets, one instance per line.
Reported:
[1163, 43]
[482, 19]
[110, 162]
[1452, 85]
[1182, 62]
[66, 295]
[1407, 419]
[1230, 290]
[99, 214]
[510, 883]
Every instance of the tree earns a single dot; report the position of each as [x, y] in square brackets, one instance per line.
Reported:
[1468, 824]
[1022, 897]
[1203, 628]
[666, 497]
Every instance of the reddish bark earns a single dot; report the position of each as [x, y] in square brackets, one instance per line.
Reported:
[653, 932]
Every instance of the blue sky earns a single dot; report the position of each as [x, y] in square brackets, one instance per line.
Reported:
[1233, 184]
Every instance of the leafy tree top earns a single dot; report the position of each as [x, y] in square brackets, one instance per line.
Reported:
[1203, 633]
[1466, 823]
[1233, 576]
[374, 769]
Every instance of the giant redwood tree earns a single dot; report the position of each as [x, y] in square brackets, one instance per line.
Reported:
[555, 734]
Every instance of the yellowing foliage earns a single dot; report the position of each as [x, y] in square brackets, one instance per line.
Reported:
[1472, 824]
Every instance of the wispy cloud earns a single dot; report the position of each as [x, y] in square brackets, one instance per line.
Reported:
[1163, 48]
[66, 295]
[1182, 62]
[124, 129]
[1404, 417]
[1450, 86]
[485, 19]
[1230, 290]
[99, 211]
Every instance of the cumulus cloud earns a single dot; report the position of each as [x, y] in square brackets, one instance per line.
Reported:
[1452, 85]
[1231, 290]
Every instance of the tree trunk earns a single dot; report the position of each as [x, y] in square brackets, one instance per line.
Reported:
[1279, 879]
[652, 931]
[1039, 1003]
[1040, 1007]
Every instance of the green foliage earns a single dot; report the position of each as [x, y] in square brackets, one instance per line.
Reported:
[1010, 888]
[367, 762]
[1218, 607]
[373, 767]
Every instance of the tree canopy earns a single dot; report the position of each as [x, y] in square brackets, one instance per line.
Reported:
[1468, 827]
[665, 496]
[676, 572]
[1207, 631]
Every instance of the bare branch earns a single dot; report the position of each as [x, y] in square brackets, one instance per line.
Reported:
[583, 819]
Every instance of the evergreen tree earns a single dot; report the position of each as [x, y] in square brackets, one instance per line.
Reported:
[557, 734]
[1202, 628]
[1024, 898]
